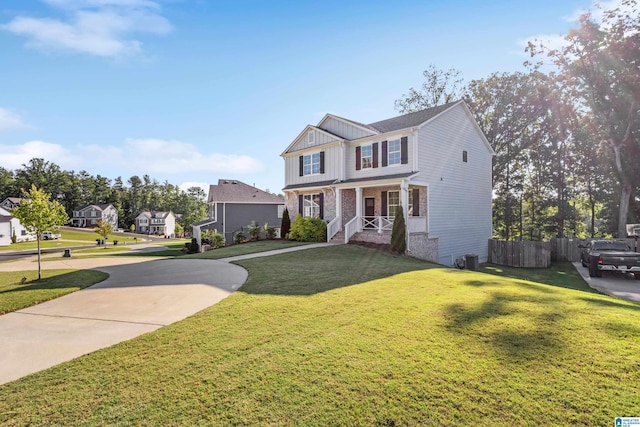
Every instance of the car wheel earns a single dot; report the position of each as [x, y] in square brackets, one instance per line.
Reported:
[636, 275]
[593, 267]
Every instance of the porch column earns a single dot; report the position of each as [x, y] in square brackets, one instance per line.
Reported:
[338, 195]
[404, 201]
[359, 207]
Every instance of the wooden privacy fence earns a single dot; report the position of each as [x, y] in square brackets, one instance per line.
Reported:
[520, 254]
[540, 254]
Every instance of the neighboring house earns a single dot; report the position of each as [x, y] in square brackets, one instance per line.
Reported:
[233, 205]
[435, 163]
[10, 202]
[156, 222]
[10, 226]
[89, 215]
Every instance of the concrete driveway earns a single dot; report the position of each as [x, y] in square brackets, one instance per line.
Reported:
[618, 285]
[140, 296]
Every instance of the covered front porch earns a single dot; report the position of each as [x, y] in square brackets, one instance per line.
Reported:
[365, 211]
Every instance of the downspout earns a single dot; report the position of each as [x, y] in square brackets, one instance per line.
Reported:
[224, 221]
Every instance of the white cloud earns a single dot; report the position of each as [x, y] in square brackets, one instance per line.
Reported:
[186, 185]
[557, 41]
[10, 120]
[155, 157]
[551, 41]
[14, 156]
[98, 27]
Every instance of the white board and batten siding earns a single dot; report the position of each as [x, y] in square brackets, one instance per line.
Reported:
[344, 129]
[332, 166]
[459, 192]
[318, 139]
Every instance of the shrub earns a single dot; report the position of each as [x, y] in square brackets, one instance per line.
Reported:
[270, 233]
[308, 229]
[254, 231]
[14, 239]
[194, 248]
[239, 237]
[399, 233]
[217, 240]
[285, 226]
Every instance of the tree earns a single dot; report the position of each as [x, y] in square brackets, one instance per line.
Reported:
[38, 213]
[104, 229]
[286, 224]
[600, 61]
[399, 232]
[439, 87]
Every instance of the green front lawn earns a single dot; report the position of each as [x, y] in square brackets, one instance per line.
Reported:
[350, 336]
[68, 238]
[247, 248]
[54, 283]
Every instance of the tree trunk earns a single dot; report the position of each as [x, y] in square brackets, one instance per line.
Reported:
[38, 239]
[625, 195]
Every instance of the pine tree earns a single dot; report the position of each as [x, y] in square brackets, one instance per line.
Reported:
[286, 224]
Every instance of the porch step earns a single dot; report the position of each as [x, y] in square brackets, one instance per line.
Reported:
[338, 238]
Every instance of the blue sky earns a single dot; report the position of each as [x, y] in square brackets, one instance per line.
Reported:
[190, 91]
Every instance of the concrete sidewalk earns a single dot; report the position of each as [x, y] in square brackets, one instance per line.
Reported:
[141, 295]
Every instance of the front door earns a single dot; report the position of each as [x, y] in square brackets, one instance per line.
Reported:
[369, 212]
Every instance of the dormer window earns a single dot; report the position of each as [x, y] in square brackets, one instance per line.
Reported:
[311, 138]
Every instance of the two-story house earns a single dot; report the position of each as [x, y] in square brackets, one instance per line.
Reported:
[435, 163]
[233, 205]
[10, 226]
[10, 202]
[89, 215]
[161, 223]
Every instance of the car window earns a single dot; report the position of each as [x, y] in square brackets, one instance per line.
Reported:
[610, 246]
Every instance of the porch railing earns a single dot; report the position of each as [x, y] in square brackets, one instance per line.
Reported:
[379, 223]
[333, 227]
[351, 228]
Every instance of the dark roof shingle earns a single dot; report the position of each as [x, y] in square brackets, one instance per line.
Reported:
[409, 120]
[234, 191]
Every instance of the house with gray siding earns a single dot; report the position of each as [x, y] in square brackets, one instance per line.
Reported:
[87, 216]
[435, 163]
[233, 205]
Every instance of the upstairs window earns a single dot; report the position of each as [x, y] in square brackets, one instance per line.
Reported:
[312, 164]
[394, 154]
[366, 156]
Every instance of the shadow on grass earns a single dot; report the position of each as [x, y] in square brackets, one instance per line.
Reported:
[560, 274]
[75, 279]
[314, 271]
[518, 325]
[612, 302]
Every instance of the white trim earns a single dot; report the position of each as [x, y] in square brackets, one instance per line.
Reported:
[303, 134]
[349, 122]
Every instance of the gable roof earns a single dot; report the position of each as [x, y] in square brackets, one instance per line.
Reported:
[234, 191]
[11, 202]
[155, 214]
[411, 119]
[352, 122]
[304, 132]
[101, 207]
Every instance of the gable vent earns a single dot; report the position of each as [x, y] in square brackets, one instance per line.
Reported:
[311, 138]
